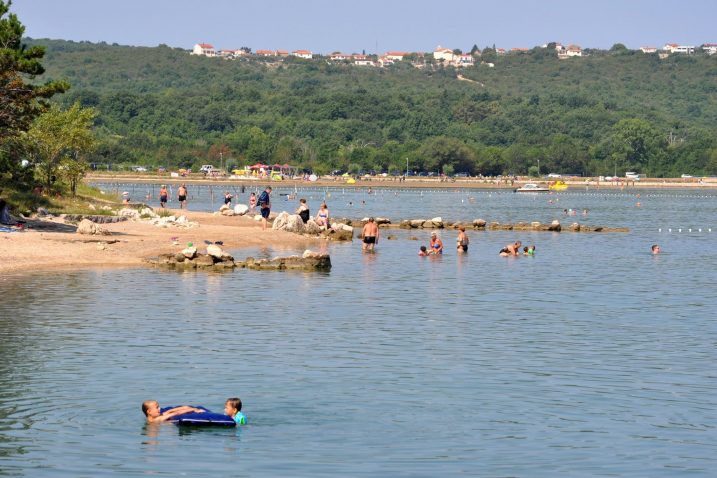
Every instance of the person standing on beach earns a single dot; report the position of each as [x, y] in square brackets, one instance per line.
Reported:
[370, 235]
[182, 196]
[265, 206]
[163, 196]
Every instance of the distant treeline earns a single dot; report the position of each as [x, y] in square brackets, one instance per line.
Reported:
[610, 111]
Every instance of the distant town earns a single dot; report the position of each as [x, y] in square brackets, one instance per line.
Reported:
[445, 56]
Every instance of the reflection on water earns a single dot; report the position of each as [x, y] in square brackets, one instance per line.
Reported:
[591, 358]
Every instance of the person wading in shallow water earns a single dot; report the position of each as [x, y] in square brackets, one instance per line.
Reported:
[370, 235]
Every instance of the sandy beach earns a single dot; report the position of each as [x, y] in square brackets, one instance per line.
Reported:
[52, 244]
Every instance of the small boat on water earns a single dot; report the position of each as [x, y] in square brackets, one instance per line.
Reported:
[532, 188]
[558, 186]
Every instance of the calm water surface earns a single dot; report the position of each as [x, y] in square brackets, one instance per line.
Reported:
[592, 358]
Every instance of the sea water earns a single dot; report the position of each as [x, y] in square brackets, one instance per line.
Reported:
[593, 358]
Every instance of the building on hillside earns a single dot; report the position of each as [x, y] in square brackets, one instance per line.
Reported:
[648, 49]
[709, 48]
[500, 51]
[395, 55]
[282, 53]
[338, 56]
[305, 54]
[675, 48]
[444, 54]
[204, 49]
[385, 61]
[229, 54]
[464, 60]
[265, 53]
[519, 50]
[574, 50]
[363, 60]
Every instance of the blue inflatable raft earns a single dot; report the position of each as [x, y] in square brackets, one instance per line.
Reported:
[207, 418]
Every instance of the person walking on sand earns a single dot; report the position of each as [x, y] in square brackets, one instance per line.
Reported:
[265, 206]
[182, 196]
[370, 235]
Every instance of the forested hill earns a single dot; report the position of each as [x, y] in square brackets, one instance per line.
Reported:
[611, 110]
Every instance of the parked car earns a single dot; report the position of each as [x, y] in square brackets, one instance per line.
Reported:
[461, 175]
[139, 169]
[206, 168]
[555, 175]
[686, 176]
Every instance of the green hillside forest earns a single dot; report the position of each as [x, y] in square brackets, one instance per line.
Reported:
[609, 111]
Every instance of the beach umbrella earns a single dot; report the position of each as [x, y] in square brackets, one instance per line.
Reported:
[258, 166]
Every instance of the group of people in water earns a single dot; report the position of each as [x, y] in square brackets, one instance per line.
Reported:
[514, 250]
[154, 414]
[436, 246]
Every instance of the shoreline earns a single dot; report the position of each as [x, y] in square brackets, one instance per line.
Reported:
[414, 182]
[53, 245]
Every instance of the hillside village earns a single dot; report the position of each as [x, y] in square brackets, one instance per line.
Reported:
[441, 55]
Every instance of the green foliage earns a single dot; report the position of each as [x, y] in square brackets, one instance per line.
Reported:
[57, 140]
[20, 100]
[591, 115]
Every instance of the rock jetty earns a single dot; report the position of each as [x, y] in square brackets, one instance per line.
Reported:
[217, 259]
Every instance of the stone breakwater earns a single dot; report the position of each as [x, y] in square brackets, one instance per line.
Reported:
[483, 225]
[217, 259]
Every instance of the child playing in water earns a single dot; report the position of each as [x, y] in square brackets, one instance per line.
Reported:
[233, 409]
[422, 251]
[154, 414]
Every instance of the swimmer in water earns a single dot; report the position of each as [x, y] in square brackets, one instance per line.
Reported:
[656, 249]
[232, 407]
[154, 414]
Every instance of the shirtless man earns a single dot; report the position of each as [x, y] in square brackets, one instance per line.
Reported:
[182, 196]
[514, 249]
[370, 235]
[154, 414]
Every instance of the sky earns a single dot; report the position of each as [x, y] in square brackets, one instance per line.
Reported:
[373, 26]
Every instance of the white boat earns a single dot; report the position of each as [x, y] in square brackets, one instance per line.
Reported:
[532, 188]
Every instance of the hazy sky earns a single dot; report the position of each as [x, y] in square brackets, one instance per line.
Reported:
[376, 26]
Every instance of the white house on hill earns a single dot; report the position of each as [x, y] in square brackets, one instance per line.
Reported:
[306, 54]
[204, 49]
[709, 48]
[444, 54]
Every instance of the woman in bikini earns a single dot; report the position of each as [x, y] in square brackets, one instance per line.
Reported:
[322, 217]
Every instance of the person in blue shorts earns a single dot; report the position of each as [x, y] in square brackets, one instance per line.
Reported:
[265, 206]
[233, 409]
